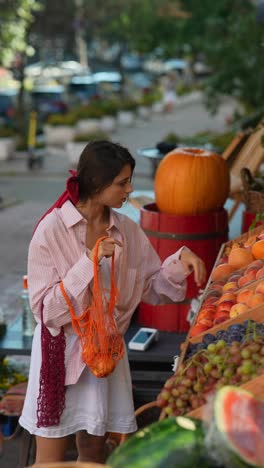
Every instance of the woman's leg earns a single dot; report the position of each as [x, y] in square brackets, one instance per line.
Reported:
[51, 449]
[91, 448]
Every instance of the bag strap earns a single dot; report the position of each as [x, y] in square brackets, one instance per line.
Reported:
[79, 322]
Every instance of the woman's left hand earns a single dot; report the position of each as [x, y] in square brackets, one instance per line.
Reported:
[191, 262]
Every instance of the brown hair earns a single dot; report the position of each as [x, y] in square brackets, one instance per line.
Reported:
[100, 162]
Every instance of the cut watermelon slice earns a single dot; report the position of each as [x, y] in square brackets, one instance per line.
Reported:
[237, 433]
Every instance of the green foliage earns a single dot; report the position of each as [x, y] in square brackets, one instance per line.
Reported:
[231, 41]
[7, 132]
[16, 16]
[68, 119]
[9, 375]
[216, 140]
[91, 137]
[259, 218]
[89, 111]
[150, 98]
[109, 107]
[128, 105]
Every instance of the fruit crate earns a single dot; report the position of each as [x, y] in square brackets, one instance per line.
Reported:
[242, 238]
[255, 385]
[256, 313]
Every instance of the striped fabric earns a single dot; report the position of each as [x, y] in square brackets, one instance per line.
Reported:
[57, 253]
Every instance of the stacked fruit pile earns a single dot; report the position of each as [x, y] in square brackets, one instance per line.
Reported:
[240, 265]
[220, 306]
[232, 358]
[238, 255]
[225, 346]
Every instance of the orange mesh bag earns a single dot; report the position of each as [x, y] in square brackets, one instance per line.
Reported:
[102, 345]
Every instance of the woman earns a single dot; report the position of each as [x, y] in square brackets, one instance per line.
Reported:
[62, 251]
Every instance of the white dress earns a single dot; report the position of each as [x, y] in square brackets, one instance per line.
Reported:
[92, 404]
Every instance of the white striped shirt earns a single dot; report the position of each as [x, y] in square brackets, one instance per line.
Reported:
[57, 252]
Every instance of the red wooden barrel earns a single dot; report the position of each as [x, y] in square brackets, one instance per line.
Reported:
[247, 220]
[203, 234]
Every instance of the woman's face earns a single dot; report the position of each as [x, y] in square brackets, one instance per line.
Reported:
[117, 193]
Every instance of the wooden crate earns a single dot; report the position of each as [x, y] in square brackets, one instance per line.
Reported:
[256, 313]
[241, 238]
[229, 243]
[256, 385]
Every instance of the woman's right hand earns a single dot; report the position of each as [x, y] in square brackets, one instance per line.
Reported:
[106, 248]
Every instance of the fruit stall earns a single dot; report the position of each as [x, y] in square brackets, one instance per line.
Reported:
[224, 345]
[212, 407]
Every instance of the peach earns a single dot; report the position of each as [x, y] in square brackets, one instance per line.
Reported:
[250, 241]
[260, 273]
[225, 306]
[238, 309]
[212, 293]
[247, 278]
[209, 314]
[205, 321]
[227, 296]
[230, 285]
[256, 264]
[210, 307]
[217, 287]
[223, 259]
[221, 318]
[197, 329]
[235, 276]
[255, 300]
[244, 296]
[222, 270]
[258, 249]
[260, 287]
[240, 257]
[210, 301]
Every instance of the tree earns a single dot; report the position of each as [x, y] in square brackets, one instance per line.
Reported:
[16, 18]
[231, 40]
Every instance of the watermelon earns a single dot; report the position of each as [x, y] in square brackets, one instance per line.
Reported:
[236, 435]
[169, 443]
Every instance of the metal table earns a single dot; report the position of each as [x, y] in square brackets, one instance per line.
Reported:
[154, 156]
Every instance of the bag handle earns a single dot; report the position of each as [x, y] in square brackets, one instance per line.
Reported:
[79, 322]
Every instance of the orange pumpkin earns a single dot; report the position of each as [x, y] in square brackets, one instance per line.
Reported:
[191, 181]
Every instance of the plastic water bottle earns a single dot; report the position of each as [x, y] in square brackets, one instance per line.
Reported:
[28, 321]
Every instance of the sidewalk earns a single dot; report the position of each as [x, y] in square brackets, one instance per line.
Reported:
[144, 133]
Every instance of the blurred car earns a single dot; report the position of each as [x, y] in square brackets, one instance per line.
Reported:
[131, 62]
[178, 65]
[48, 100]
[108, 82]
[82, 89]
[8, 103]
[201, 69]
[140, 82]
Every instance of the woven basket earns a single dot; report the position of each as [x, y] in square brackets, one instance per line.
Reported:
[254, 200]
